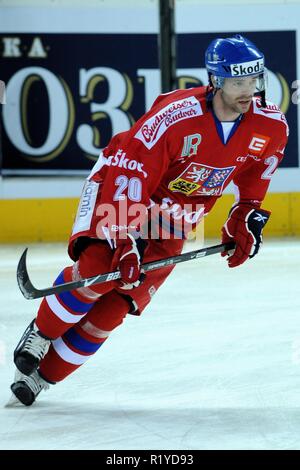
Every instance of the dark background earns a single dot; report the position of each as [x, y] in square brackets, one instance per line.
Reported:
[126, 53]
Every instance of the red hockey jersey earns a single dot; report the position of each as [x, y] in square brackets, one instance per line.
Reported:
[175, 157]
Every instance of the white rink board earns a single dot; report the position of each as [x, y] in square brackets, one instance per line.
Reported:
[213, 363]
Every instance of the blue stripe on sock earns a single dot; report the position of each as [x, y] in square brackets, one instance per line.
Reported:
[80, 343]
[70, 300]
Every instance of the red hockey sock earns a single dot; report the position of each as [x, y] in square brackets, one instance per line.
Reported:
[81, 341]
[57, 313]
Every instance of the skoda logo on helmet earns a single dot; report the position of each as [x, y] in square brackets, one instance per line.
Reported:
[247, 68]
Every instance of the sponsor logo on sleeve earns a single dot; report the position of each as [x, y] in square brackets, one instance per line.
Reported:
[154, 127]
[86, 207]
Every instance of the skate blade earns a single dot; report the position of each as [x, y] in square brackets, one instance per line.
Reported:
[13, 402]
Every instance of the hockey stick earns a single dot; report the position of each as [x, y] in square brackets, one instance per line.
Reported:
[30, 292]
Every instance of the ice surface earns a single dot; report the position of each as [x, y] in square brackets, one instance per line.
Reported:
[213, 363]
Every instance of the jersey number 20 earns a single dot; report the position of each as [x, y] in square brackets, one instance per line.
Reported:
[133, 186]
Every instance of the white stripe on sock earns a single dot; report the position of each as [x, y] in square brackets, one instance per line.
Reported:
[61, 312]
[67, 354]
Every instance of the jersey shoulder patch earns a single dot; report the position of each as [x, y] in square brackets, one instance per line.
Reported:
[153, 128]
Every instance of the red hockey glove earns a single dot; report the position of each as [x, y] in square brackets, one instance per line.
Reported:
[127, 258]
[244, 226]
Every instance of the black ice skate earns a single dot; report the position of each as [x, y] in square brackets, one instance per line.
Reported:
[30, 350]
[25, 389]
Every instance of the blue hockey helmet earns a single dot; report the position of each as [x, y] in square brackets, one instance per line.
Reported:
[234, 57]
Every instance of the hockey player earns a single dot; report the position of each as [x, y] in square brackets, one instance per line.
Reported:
[177, 159]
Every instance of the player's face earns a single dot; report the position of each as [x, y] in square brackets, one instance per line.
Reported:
[237, 93]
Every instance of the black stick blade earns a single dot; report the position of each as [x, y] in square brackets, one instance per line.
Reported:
[24, 282]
